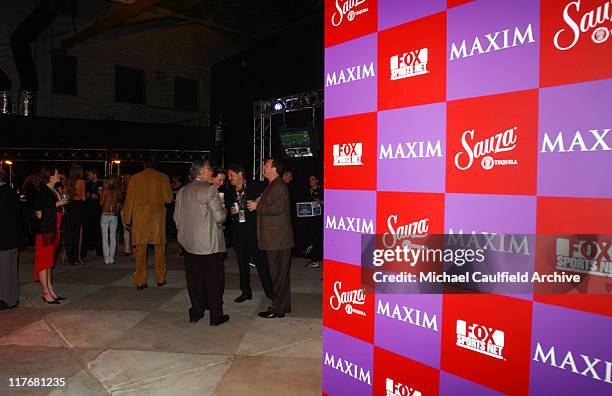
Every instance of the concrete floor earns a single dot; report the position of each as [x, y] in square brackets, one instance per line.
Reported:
[109, 338]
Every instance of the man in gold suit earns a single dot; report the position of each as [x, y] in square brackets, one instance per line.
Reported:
[144, 212]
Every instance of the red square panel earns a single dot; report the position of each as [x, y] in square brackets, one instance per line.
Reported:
[577, 221]
[487, 339]
[492, 143]
[412, 63]
[576, 43]
[348, 305]
[397, 375]
[349, 19]
[455, 3]
[415, 218]
[350, 152]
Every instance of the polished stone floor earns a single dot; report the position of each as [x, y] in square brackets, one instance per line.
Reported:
[110, 339]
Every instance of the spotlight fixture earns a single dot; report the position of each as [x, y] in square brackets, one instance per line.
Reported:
[278, 106]
[116, 162]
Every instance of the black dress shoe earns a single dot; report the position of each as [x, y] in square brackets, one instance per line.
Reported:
[270, 315]
[142, 287]
[242, 298]
[60, 298]
[220, 321]
[270, 309]
[160, 284]
[194, 319]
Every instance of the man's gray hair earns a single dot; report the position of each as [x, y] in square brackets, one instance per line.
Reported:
[197, 166]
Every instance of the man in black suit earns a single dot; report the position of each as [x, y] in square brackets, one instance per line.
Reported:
[244, 232]
[11, 239]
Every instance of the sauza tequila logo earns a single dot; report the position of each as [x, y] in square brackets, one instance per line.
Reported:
[476, 149]
[348, 8]
[580, 21]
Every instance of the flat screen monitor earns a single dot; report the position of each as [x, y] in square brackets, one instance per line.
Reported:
[297, 143]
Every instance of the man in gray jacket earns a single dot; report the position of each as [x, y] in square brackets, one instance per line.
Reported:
[199, 217]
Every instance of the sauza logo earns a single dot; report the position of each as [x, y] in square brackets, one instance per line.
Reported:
[394, 388]
[409, 64]
[585, 366]
[348, 8]
[481, 339]
[351, 74]
[498, 143]
[596, 142]
[415, 229]
[350, 299]
[586, 257]
[348, 154]
[578, 23]
[494, 42]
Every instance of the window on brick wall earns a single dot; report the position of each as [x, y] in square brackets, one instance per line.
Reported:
[64, 68]
[129, 85]
[186, 94]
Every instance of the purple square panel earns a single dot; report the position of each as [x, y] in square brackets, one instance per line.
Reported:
[347, 215]
[350, 77]
[570, 352]
[413, 317]
[574, 141]
[347, 364]
[411, 149]
[492, 47]
[396, 12]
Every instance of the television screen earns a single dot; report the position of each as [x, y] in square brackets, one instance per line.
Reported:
[297, 143]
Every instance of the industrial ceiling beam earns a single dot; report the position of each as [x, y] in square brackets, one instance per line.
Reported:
[115, 19]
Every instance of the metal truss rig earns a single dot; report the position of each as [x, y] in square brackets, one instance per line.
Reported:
[263, 110]
[106, 156]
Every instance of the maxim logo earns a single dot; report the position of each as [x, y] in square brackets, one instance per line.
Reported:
[410, 150]
[491, 241]
[409, 64]
[398, 389]
[348, 154]
[481, 339]
[583, 365]
[411, 316]
[475, 149]
[596, 142]
[351, 74]
[586, 257]
[415, 229]
[350, 299]
[578, 23]
[351, 224]
[348, 8]
[348, 368]
[497, 41]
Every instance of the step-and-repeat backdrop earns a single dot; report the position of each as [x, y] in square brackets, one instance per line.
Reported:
[484, 116]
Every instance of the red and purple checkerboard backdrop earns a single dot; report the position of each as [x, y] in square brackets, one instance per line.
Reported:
[484, 116]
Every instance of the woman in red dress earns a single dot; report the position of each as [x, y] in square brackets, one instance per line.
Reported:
[49, 211]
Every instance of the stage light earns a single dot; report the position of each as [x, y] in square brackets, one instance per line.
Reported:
[8, 162]
[116, 162]
[278, 106]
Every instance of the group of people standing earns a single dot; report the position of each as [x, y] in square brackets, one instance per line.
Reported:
[261, 230]
[80, 214]
[258, 216]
